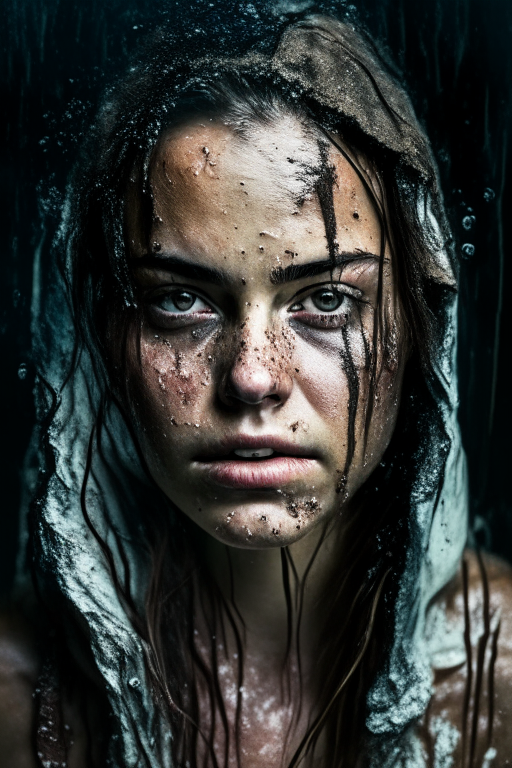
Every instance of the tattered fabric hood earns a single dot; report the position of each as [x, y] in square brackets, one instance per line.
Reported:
[326, 63]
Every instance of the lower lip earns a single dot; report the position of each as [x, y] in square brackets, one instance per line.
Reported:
[265, 473]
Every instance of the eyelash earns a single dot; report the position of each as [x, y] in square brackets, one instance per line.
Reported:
[326, 320]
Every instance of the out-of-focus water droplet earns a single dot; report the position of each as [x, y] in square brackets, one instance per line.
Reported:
[468, 221]
[489, 194]
[468, 250]
[22, 371]
[134, 682]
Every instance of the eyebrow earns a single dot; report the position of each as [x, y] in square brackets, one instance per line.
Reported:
[171, 263]
[293, 272]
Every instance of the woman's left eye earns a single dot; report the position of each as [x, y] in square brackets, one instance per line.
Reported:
[325, 308]
[327, 300]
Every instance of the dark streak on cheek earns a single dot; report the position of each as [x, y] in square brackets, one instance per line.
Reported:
[353, 389]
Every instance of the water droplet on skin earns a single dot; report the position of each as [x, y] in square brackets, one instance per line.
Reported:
[467, 222]
[134, 682]
[468, 250]
[489, 194]
[22, 371]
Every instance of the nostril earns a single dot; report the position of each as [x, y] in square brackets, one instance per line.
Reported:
[253, 387]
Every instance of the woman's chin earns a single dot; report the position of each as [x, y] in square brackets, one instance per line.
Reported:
[262, 526]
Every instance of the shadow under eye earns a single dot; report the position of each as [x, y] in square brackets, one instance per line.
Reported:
[174, 321]
[322, 322]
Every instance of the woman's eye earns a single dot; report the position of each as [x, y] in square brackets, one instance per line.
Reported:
[180, 302]
[327, 300]
[178, 308]
[327, 308]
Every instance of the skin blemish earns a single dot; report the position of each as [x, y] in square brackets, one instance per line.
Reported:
[303, 508]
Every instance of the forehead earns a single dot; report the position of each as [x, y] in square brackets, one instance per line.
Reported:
[221, 195]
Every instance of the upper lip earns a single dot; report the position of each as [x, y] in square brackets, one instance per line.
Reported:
[222, 448]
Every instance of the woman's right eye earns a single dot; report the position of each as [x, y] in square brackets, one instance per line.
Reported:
[178, 308]
[181, 302]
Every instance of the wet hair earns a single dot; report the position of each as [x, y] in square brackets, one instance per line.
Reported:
[106, 309]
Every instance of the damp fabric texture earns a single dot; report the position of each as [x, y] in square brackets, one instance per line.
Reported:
[328, 64]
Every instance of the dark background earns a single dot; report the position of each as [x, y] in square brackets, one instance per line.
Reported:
[456, 56]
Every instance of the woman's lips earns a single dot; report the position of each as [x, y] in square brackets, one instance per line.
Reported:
[264, 473]
[255, 461]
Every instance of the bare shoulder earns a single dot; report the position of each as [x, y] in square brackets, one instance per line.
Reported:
[19, 669]
[471, 706]
[22, 681]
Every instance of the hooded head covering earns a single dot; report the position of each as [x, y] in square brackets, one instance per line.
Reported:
[338, 74]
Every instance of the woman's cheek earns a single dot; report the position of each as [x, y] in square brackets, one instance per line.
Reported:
[331, 367]
[172, 385]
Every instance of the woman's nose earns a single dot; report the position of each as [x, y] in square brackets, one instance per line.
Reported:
[256, 378]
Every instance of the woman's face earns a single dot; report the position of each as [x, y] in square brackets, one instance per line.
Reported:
[252, 378]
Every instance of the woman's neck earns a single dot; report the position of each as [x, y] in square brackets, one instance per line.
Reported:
[271, 588]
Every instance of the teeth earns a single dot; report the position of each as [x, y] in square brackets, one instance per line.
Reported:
[253, 453]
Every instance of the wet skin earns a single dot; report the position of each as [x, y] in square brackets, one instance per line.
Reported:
[249, 356]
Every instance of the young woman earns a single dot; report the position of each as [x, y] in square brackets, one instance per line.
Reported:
[246, 544]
